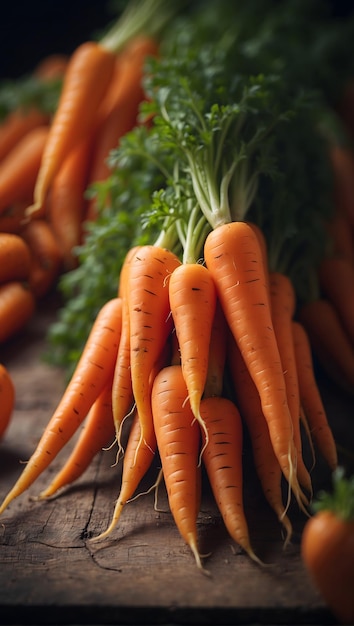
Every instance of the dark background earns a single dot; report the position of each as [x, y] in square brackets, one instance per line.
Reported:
[31, 29]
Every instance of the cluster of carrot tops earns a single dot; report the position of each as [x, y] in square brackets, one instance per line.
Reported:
[219, 210]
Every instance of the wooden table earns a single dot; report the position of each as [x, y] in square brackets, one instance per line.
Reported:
[143, 573]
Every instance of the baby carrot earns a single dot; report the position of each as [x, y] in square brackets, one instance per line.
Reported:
[90, 377]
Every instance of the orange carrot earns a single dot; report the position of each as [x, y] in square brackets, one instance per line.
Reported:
[283, 302]
[217, 354]
[138, 455]
[90, 377]
[96, 433]
[85, 83]
[67, 203]
[135, 466]
[310, 396]
[17, 124]
[223, 462]
[266, 464]
[329, 341]
[150, 321]
[178, 440]
[46, 259]
[122, 391]
[18, 170]
[15, 257]
[119, 114]
[336, 278]
[17, 305]
[192, 296]
[234, 257]
[7, 398]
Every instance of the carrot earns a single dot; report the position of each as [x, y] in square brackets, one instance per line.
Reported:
[7, 398]
[17, 305]
[217, 354]
[138, 455]
[96, 433]
[15, 257]
[46, 260]
[266, 463]
[122, 391]
[234, 257]
[310, 396]
[135, 466]
[192, 296]
[283, 302]
[18, 170]
[12, 218]
[67, 203]
[90, 377]
[329, 341]
[178, 440]
[150, 321]
[336, 278]
[16, 125]
[120, 113]
[85, 83]
[223, 462]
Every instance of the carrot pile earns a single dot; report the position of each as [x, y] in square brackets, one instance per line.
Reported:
[228, 255]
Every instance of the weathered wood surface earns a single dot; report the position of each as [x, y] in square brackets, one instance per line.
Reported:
[51, 573]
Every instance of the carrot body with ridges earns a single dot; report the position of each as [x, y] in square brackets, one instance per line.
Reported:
[234, 257]
[86, 80]
[96, 433]
[150, 321]
[178, 441]
[310, 396]
[192, 297]
[266, 463]
[222, 458]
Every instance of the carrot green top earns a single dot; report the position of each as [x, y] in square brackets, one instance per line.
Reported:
[341, 500]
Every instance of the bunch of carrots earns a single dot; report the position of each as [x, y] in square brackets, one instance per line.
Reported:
[47, 161]
[206, 336]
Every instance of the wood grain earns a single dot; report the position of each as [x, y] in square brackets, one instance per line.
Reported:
[51, 573]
